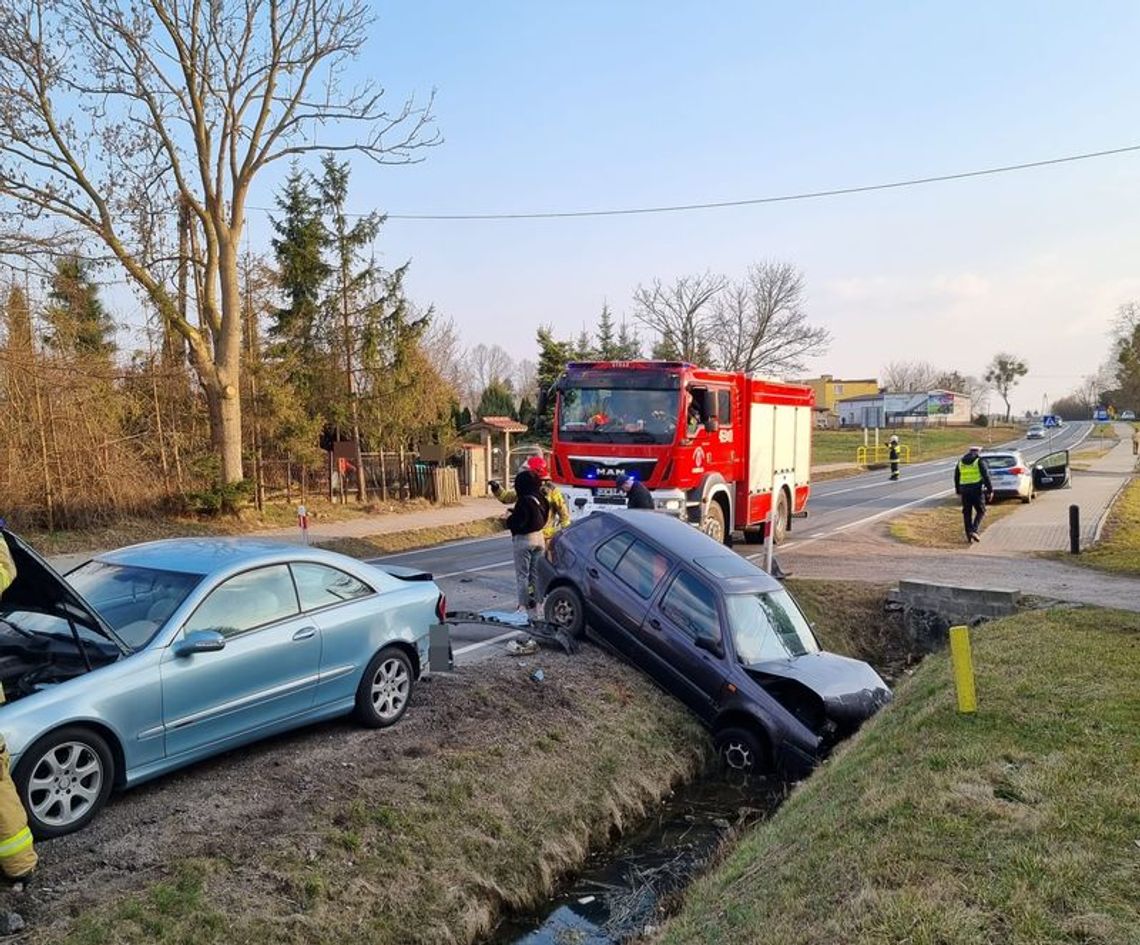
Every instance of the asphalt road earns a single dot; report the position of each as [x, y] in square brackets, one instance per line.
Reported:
[478, 574]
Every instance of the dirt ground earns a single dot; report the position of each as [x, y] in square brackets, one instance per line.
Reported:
[275, 835]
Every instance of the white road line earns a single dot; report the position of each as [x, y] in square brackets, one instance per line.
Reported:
[444, 547]
[475, 646]
[485, 567]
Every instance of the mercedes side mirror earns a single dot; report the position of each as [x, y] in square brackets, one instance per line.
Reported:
[712, 425]
[200, 641]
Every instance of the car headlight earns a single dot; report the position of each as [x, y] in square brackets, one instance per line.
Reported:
[670, 505]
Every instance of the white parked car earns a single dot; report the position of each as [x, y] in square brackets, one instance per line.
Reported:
[1128, 415]
[1010, 475]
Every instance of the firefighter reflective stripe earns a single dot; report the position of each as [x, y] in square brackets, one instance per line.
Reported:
[969, 474]
[7, 565]
[16, 843]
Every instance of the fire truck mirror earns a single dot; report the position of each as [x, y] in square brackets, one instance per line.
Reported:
[712, 425]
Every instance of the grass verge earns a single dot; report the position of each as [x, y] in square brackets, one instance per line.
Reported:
[1017, 825]
[1119, 547]
[373, 545]
[131, 530]
[840, 446]
[939, 525]
[491, 788]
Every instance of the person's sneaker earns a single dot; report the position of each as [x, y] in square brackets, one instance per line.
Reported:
[974, 536]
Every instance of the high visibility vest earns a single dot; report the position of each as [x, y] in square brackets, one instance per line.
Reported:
[969, 474]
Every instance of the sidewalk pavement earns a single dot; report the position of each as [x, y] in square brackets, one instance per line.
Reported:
[468, 510]
[1044, 524]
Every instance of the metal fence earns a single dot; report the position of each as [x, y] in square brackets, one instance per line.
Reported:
[387, 477]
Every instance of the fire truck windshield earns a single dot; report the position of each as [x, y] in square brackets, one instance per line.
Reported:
[617, 415]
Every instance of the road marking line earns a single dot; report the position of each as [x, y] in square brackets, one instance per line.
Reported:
[475, 646]
[444, 547]
[485, 567]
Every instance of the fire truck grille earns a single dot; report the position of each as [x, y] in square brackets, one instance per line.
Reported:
[600, 469]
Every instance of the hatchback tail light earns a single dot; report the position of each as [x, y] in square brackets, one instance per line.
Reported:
[1017, 470]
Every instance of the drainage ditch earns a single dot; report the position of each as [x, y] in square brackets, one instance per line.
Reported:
[622, 891]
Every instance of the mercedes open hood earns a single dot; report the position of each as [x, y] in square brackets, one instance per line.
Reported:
[39, 587]
[851, 690]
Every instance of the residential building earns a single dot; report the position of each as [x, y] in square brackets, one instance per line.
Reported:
[830, 390]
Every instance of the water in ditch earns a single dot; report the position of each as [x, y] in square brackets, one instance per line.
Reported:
[620, 892]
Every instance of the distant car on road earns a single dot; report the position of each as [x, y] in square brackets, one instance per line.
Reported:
[715, 631]
[1128, 415]
[1035, 432]
[154, 656]
[1010, 474]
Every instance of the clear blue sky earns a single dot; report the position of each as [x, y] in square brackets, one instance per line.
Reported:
[622, 104]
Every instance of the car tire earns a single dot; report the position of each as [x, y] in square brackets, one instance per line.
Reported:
[565, 609]
[385, 689]
[741, 751]
[780, 526]
[64, 780]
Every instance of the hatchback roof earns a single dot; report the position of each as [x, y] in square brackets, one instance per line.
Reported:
[733, 572]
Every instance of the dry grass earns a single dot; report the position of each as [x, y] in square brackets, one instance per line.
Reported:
[939, 525]
[373, 545]
[1119, 547]
[1083, 459]
[510, 786]
[1017, 825]
[129, 530]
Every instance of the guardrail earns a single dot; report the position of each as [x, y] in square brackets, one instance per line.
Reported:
[874, 455]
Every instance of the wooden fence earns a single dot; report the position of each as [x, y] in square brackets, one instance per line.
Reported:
[387, 477]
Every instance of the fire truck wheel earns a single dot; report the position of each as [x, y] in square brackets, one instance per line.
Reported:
[713, 523]
[780, 527]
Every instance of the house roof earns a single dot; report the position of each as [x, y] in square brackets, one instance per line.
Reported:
[498, 425]
[849, 400]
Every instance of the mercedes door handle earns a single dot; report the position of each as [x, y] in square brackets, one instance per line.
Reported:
[305, 633]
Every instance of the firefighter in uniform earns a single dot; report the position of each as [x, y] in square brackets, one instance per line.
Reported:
[972, 483]
[17, 855]
[558, 517]
[894, 457]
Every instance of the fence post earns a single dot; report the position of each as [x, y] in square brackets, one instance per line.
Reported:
[1074, 529]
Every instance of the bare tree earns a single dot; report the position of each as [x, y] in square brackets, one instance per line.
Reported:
[108, 108]
[526, 380]
[442, 343]
[911, 376]
[759, 325]
[485, 365]
[679, 313]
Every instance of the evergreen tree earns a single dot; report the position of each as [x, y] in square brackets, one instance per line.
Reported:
[77, 322]
[302, 270]
[497, 400]
[552, 359]
[527, 413]
[628, 345]
[607, 347]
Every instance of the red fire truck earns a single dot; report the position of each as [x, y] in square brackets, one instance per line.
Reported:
[714, 448]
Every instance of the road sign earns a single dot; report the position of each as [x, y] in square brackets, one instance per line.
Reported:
[1049, 420]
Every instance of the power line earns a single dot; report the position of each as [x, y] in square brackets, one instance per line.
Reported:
[757, 201]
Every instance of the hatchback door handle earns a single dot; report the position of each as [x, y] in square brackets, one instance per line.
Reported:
[305, 633]
[593, 572]
[655, 623]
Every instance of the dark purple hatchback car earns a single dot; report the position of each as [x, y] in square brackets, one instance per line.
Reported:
[715, 631]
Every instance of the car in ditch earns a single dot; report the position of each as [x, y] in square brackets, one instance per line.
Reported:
[157, 655]
[714, 630]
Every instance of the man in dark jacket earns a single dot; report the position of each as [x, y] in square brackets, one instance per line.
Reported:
[972, 483]
[526, 521]
[637, 496]
[893, 454]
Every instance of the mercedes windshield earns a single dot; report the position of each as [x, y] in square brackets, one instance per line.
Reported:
[618, 407]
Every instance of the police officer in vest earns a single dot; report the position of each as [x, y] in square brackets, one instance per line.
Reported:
[17, 856]
[972, 483]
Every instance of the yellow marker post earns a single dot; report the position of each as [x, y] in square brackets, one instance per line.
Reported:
[963, 669]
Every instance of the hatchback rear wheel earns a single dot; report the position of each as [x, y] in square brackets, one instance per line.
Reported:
[64, 780]
[565, 610]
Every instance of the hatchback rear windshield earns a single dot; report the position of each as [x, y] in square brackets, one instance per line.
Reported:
[999, 462]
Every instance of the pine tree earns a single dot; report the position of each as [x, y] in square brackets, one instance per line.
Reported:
[527, 413]
[583, 350]
[628, 344]
[607, 346]
[77, 322]
[552, 359]
[497, 400]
